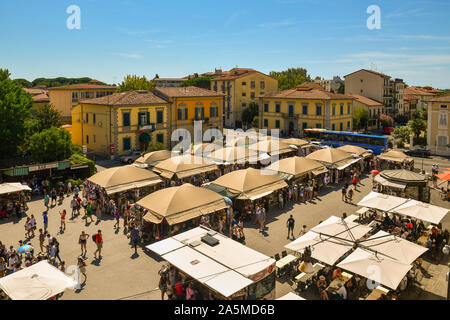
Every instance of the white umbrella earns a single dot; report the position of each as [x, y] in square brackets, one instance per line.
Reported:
[422, 211]
[40, 281]
[381, 201]
[291, 296]
[342, 229]
[375, 267]
[394, 247]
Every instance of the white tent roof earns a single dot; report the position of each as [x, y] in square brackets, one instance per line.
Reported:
[291, 296]
[394, 247]
[13, 187]
[381, 201]
[378, 268]
[40, 281]
[422, 211]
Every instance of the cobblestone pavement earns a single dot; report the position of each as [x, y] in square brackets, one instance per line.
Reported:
[120, 274]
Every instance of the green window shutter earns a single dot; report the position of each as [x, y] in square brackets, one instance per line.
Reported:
[148, 117]
[203, 113]
[180, 114]
[139, 118]
[186, 114]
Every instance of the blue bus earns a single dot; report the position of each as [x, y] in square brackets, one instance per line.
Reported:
[377, 144]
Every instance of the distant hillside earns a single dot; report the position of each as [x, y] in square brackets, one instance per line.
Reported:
[55, 82]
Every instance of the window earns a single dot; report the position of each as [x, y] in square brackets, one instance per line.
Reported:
[94, 120]
[277, 124]
[261, 93]
[199, 112]
[304, 109]
[244, 83]
[74, 96]
[442, 141]
[349, 108]
[160, 137]
[87, 117]
[266, 122]
[252, 84]
[244, 105]
[342, 109]
[244, 94]
[291, 110]
[318, 109]
[443, 106]
[341, 126]
[318, 125]
[348, 124]
[182, 112]
[159, 116]
[252, 95]
[304, 125]
[94, 138]
[266, 107]
[262, 85]
[87, 139]
[333, 127]
[213, 111]
[443, 120]
[126, 144]
[126, 119]
[333, 110]
[277, 107]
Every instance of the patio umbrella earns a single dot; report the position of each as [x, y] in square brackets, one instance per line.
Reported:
[395, 247]
[25, 248]
[374, 172]
[376, 267]
[381, 201]
[444, 176]
[422, 211]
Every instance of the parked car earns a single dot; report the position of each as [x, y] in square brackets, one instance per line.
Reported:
[130, 158]
[419, 152]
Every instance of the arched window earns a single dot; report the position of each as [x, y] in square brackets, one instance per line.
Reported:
[213, 110]
[199, 111]
[182, 112]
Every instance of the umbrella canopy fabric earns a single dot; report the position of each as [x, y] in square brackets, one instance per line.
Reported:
[394, 247]
[291, 296]
[381, 201]
[242, 141]
[395, 155]
[444, 176]
[422, 211]
[234, 155]
[295, 142]
[296, 166]
[40, 281]
[272, 147]
[374, 172]
[403, 175]
[152, 158]
[330, 156]
[180, 204]
[250, 182]
[355, 150]
[24, 248]
[124, 178]
[13, 187]
[392, 184]
[375, 267]
[183, 166]
[347, 230]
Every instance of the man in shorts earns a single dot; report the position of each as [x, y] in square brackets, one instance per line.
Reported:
[99, 243]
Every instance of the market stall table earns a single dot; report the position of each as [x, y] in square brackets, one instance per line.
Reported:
[333, 287]
[285, 261]
[377, 293]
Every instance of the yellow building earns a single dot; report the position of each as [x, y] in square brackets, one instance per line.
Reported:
[374, 108]
[40, 97]
[293, 110]
[411, 102]
[241, 87]
[121, 122]
[438, 130]
[65, 97]
[188, 104]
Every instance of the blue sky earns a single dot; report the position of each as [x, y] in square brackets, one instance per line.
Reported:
[176, 38]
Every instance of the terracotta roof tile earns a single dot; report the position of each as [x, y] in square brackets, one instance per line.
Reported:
[190, 91]
[440, 99]
[371, 71]
[367, 101]
[127, 99]
[307, 94]
[84, 86]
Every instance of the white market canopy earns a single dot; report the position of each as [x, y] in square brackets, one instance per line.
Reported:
[11, 187]
[227, 267]
[40, 281]
[376, 267]
[394, 247]
[422, 211]
[290, 296]
[381, 201]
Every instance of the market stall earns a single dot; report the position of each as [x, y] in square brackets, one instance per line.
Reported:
[219, 266]
[151, 159]
[40, 281]
[275, 148]
[403, 183]
[303, 147]
[170, 210]
[395, 159]
[228, 158]
[13, 197]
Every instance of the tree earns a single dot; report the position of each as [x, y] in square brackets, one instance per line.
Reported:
[15, 106]
[290, 78]
[47, 116]
[360, 118]
[386, 121]
[249, 113]
[341, 89]
[50, 145]
[402, 133]
[201, 82]
[155, 147]
[134, 82]
[24, 83]
[417, 126]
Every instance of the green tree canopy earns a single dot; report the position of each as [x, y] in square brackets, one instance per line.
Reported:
[24, 83]
[50, 145]
[290, 78]
[15, 106]
[134, 82]
[156, 146]
[360, 118]
[402, 133]
[417, 126]
[47, 116]
[249, 113]
[201, 82]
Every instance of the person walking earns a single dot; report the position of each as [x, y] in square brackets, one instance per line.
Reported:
[350, 194]
[99, 243]
[53, 196]
[135, 237]
[41, 239]
[82, 241]
[63, 220]
[46, 200]
[74, 206]
[89, 211]
[117, 217]
[290, 225]
[354, 181]
[45, 221]
[56, 244]
[302, 231]
[28, 228]
[98, 211]
[344, 192]
[33, 225]
[82, 266]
